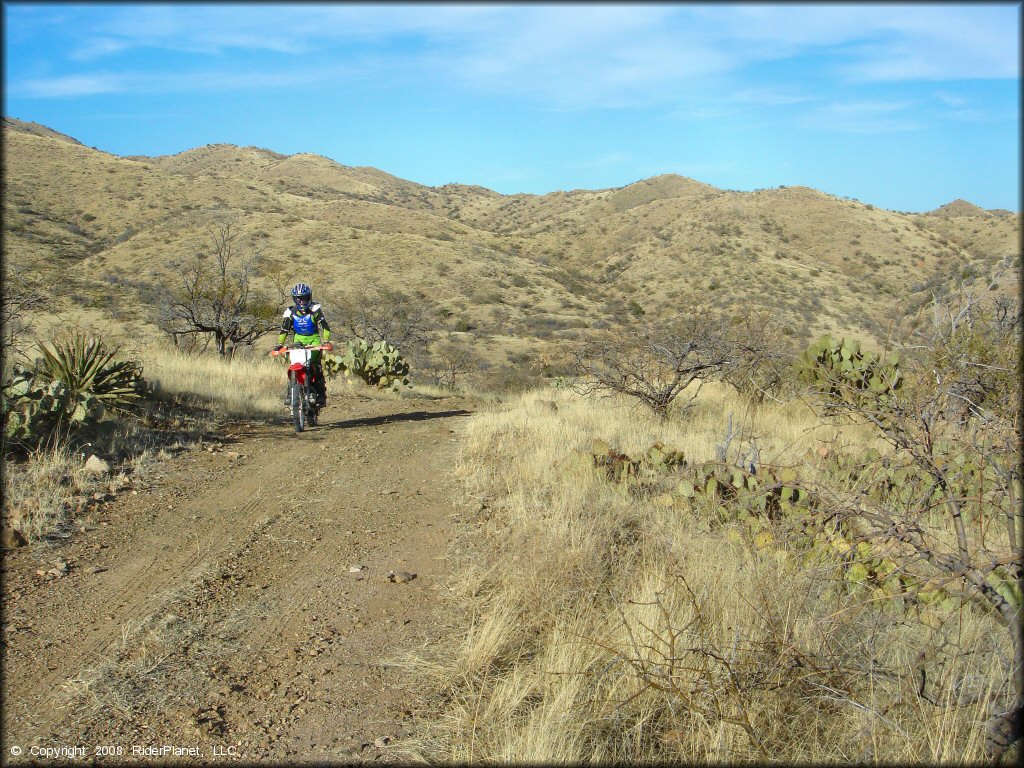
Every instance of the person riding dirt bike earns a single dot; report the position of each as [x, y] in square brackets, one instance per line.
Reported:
[306, 320]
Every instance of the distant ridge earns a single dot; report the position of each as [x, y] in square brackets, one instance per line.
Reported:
[35, 129]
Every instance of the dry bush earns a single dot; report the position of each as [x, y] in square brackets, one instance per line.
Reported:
[21, 295]
[762, 356]
[655, 362]
[383, 314]
[451, 362]
[39, 494]
[213, 295]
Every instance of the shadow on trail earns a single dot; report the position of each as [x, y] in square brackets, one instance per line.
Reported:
[374, 421]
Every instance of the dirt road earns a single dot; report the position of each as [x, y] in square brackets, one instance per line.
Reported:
[217, 607]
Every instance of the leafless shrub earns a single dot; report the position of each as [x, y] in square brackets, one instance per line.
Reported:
[21, 296]
[384, 314]
[450, 363]
[761, 356]
[971, 349]
[213, 296]
[654, 362]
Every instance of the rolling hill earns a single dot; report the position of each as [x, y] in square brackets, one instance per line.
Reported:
[525, 270]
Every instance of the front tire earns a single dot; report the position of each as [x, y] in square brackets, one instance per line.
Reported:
[298, 406]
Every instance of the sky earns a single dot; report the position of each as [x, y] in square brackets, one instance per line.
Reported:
[904, 106]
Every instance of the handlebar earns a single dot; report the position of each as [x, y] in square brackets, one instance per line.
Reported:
[282, 349]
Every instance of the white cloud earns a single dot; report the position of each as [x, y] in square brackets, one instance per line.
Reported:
[195, 81]
[952, 100]
[576, 56]
[861, 117]
[71, 85]
[883, 41]
[290, 29]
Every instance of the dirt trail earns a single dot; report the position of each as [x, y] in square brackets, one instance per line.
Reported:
[216, 608]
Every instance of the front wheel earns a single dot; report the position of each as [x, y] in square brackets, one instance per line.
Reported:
[298, 405]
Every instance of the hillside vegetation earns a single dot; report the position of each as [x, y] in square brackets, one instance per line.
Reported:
[507, 267]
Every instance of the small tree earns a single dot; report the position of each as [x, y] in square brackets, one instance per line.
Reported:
[213, 294]
[761, 359]
[451, 362]
[654, 363]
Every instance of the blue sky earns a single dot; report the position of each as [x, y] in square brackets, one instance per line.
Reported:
[906, 107]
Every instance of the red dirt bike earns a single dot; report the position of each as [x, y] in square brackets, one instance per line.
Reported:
[302, 398]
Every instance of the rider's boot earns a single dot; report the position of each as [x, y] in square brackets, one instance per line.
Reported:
[320, 386]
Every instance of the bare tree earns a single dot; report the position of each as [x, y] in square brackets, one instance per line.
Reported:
[654, 363]
[383, 314]
[213, 296]
[451, 362]
[761, 356]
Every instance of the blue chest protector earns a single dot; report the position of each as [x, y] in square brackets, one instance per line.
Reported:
[303, 325]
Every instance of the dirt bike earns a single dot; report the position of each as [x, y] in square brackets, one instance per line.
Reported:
[302, 398]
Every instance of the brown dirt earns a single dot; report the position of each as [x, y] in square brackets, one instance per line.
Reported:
[215, 607]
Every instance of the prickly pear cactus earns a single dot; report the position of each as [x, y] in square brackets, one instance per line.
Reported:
[618, 467]
[841, 369]
[33, 409]
[379, 364]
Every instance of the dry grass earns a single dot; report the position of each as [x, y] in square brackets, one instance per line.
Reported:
[49, 487]
[249, 387]
[241, 388]
[39, 495]
[608, 628]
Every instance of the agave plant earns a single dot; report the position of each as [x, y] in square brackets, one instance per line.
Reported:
[87, 367]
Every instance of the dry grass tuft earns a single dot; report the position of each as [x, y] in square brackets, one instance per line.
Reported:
[39, 495]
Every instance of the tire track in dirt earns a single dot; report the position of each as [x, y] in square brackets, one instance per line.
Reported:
[165, 565]
[270, 644]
